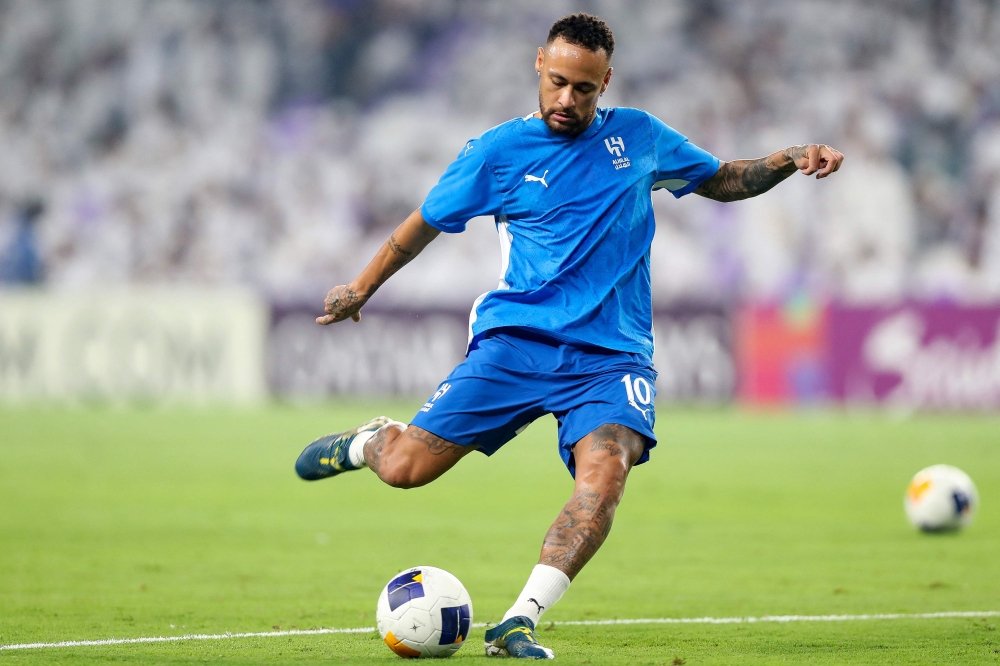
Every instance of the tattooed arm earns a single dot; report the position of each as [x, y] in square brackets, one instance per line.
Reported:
[406, 242]
[743, 179]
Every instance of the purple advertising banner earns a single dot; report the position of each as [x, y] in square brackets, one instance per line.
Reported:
[916, 356]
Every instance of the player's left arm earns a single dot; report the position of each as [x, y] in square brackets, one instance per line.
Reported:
[742, 179]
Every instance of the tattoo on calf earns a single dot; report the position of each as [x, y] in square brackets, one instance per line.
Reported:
[585, 521]
[579, 531]
[435, 445]
[373, 450]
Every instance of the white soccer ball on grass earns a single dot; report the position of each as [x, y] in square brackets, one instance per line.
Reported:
[424, 612]
[941, 498]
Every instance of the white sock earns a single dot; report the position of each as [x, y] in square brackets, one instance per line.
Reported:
[356, 451]
[544, 588]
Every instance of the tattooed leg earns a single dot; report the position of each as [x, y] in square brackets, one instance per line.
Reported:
[603, 460]
[412, 457]
[376, 445]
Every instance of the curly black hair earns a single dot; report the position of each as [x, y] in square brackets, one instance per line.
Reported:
[584, 30]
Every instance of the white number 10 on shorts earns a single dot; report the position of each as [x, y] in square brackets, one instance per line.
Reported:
[638, 392]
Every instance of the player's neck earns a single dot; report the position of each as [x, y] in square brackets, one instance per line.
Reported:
[538, 115]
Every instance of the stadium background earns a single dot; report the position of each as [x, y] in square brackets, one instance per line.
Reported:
[262, 151]
[182, 182]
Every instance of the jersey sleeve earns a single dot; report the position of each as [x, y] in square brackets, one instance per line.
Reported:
[466, 190]
[681, 166]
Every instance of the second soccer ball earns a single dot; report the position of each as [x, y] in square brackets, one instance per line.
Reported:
[941, 498]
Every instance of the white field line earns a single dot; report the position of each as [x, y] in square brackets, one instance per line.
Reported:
[570, 623]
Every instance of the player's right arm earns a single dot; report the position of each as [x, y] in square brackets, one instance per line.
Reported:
[407, 241]
[467, 189]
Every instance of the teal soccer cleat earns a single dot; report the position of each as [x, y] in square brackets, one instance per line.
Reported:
[515, 637]
[327, 456]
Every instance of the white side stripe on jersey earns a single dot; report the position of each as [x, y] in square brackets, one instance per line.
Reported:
[474, 315]
[506, 238]
[672, 184]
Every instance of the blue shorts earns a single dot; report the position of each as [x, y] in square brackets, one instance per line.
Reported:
[516, 375]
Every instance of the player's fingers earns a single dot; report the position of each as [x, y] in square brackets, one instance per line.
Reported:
[356, 316]
[812, 153]
[839, 156]
[807, 169]
[833, 159]
[325, 319]
[825, 162]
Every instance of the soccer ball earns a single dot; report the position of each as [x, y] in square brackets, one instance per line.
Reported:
[424, 612]
[941, 498]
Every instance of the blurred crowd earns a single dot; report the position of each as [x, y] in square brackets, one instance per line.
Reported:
[275, 144]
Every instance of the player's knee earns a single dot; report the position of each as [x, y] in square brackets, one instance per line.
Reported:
[608, 483]
[416, 458]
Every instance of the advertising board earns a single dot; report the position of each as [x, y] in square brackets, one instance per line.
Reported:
[136, 345]
[409, 352]
[916, 356]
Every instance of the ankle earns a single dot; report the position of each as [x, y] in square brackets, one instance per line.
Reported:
[376, 439]
[544, 588]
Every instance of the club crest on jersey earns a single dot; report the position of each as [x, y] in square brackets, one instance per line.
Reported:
[616, 146]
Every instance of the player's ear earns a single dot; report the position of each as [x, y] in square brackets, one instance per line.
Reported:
[539, 60]
[607, 80]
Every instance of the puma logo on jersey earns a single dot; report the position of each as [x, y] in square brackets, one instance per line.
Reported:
[528, 178]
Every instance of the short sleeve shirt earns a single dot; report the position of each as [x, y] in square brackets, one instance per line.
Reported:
[575, 222]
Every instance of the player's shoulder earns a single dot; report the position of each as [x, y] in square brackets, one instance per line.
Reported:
[513, 128]
[641, 117]
[626, 114]
[647, 127]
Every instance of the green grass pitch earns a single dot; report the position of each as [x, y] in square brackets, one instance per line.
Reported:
[129, 523]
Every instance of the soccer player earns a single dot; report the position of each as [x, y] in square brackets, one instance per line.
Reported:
[568, 331]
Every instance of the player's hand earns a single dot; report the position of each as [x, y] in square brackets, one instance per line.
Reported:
[817, 158]
[342, 302]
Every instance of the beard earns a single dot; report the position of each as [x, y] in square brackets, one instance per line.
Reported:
[575, 125]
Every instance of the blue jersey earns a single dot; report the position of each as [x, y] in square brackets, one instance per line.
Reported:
[575, 221]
